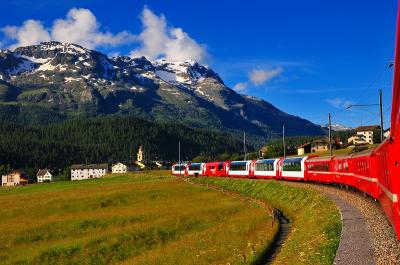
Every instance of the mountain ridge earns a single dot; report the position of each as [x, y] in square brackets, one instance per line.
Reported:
[70, 78]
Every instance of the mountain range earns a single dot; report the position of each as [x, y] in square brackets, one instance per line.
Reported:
[68, 80]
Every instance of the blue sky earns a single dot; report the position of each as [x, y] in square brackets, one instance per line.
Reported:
[307, 58]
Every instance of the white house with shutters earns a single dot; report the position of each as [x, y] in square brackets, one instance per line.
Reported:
[119, 168]
[81, 172]
[43, 175]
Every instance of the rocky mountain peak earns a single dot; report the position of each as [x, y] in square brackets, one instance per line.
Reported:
[69, 77]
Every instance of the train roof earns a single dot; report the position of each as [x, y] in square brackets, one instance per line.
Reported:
[319, 158]
[294, 159]
[267, 160]
[362, 153]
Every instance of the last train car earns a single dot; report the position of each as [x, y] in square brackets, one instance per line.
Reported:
[179, 169]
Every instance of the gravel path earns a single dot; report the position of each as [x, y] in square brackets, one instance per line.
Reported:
[375, 227]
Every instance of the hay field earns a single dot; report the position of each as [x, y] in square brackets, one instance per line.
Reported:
[134, 219]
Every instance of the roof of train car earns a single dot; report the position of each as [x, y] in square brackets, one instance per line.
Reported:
[319, 158]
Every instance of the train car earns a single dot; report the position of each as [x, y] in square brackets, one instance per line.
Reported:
[265, 168]
[194, 169]
[179, 169]
[320, 169]
[292, 168]
[361, 167]
[388, 183]
[341, 170]
[240, 169]
[215, 169]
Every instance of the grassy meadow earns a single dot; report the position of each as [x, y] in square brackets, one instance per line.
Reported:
[144, 218]
[316, 221]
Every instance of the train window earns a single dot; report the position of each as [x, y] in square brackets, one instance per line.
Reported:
[318, 167]
[346, 166]
[194, 167]
[292, 164]
[264, 165]
[179, 168]
[220, 166]
[212, 167]
[238, 166]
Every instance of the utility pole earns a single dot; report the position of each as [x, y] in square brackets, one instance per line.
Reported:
[381, 113]
[244, 145]
[283, 140]
[330, 135]
[380, 110]
[179, 154]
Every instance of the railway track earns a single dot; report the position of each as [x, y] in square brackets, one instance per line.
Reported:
[367, 236]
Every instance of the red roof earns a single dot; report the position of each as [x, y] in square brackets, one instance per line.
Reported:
[367, 128]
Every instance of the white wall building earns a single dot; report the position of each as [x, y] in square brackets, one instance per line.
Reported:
[14, 178]
[119, 168]
[364, 135]
[43, 175]
[80, 172]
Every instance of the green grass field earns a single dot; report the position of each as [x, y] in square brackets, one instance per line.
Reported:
[137, 219]
[316, 221]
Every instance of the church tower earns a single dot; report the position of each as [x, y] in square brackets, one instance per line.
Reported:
[140, 154]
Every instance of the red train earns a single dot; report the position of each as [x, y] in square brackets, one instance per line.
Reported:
[375, 172]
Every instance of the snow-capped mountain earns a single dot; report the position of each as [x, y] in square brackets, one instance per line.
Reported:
[69, 78]
[338, 127]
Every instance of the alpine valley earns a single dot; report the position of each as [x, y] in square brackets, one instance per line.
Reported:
[55, 81]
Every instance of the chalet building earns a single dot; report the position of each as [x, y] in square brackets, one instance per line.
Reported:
[364, 135]
[119, 168]
[314, 146]
[43, 175]
[80, 172]
[15, 178]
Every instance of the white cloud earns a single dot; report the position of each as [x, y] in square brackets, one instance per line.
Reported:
[31, 32]
[158, 40]
[240, 87]
[261, 76]
[80, 26]
[338, 102]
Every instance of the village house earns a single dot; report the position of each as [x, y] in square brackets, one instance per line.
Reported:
[119, 168]
[314, 146]
[80, 172]
[15, 178]
[386, 134]
[364, 135]
[43, 175]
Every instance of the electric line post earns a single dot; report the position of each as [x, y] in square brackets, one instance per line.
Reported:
[380, 110]
[244, 145]
[283, 141]
[330, 134]
[179, 155]
[381, 114]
